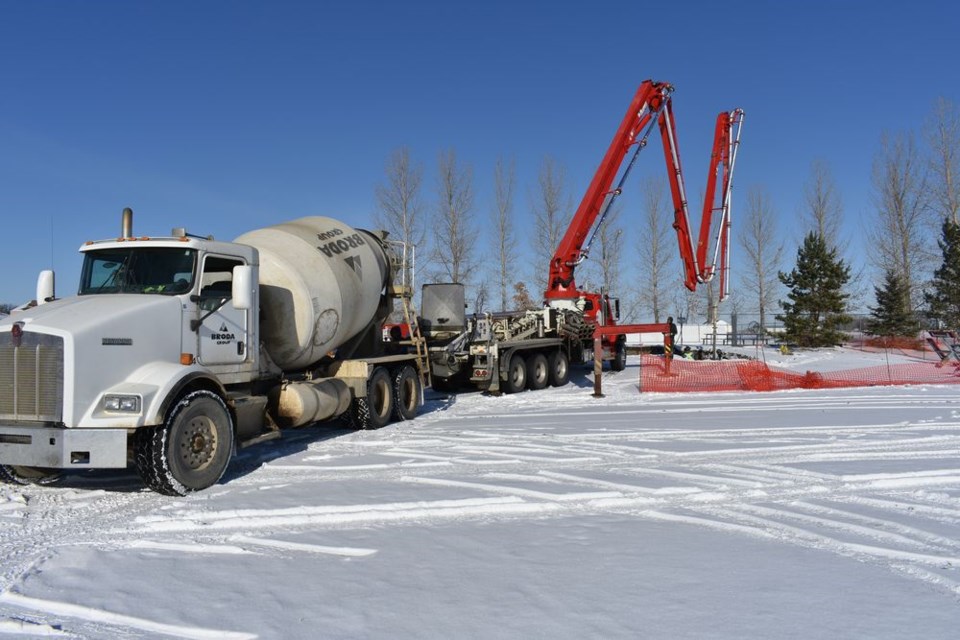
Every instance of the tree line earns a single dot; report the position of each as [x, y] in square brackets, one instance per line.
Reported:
[913, 236]
[912, 230]
[505, 266]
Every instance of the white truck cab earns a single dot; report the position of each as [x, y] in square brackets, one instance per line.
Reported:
[151, 315]
[160, 360]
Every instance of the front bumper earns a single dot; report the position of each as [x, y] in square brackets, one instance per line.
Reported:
[61, 448]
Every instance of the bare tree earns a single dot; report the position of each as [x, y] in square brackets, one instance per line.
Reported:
[763, 250]
[602, 269]
[943, 136]
[552, 211]
[688, 305]
[399, 206]
[481, 295]
[824, 209]
[503, 183]
[453, 236]
[900, 235]
[610, 237]
[654, 249]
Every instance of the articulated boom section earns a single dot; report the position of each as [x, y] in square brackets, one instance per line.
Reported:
[715, 221]
[652, 106]
[634, 129]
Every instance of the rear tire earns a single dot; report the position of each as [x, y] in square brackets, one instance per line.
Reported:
[406, 393]
[191, 450]
[376, 409]
[559, 366]
[516, 375]
[41, 476]
[538, 372]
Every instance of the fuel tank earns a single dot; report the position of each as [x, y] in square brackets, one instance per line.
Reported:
[321, 283]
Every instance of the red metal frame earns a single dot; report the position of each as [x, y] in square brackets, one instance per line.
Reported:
[652, 105]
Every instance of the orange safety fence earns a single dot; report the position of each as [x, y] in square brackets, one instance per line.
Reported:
[753, 375]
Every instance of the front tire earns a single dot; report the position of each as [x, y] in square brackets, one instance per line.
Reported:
[42, 476]
[191, 450]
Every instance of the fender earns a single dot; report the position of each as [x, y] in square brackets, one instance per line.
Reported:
[201, 379]
[158, 384]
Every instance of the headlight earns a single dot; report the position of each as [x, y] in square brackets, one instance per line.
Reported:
[128, 404]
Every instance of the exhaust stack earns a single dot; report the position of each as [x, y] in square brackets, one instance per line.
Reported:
[126, 223]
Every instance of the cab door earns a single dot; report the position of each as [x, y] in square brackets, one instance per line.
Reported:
[222, 330]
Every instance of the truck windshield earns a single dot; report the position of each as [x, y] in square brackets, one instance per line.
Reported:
[158, 270]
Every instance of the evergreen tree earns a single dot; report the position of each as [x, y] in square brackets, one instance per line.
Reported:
[817, 306]
[893, 316]
[944, 299]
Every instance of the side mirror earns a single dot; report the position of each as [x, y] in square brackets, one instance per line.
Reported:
[242, 290]
[46, 289]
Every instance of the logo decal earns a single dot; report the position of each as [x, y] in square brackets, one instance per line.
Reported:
[115, 342]
[340, 245]
[354, 263]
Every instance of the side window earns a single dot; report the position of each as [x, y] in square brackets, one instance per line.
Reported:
[216, 281]
[166, 271]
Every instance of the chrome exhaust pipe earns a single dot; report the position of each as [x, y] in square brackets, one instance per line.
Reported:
[126, 223]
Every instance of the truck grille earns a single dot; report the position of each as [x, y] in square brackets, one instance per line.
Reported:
[31, 378]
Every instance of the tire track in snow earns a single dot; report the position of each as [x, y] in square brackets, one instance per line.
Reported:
[54, 517]
[107, 618]
[769, 525]
[623, 458]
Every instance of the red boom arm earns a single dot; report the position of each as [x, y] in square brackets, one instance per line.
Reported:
[650, 105]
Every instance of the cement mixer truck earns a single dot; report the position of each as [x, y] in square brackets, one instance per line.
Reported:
[177, 350]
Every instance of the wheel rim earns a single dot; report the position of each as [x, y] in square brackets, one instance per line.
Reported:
[33, 475]
[199, 442]
[381, 398]
[561, 368]
[540, 371]
[518, 374]
[408, 394]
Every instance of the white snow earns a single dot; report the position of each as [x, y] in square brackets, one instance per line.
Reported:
[550, 514]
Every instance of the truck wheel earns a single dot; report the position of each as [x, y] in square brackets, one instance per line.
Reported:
[516, 375]
[375, 410]
[619, 362]
[42, 476]
[406, 393]
[191, 450]
[559, 367]
[538, 373]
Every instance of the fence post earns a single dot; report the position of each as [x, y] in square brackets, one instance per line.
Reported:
[597, 366]
[667, 352]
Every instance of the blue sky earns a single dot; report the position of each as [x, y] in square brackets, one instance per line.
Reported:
[226, 116]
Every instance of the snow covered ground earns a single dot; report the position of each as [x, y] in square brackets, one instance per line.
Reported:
[799, 514]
